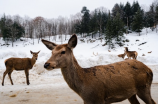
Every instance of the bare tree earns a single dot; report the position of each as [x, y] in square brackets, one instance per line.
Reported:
[39, 25]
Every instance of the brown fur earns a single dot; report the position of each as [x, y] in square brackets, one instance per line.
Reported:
[19, 64]
[130, 54]
[102, 84]
[122, 55]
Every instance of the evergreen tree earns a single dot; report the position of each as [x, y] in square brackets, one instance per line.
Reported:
[104, 21]
[109, 31]
[118, 27]
[122, 14]
[93, 23]
[2, 25]
[5, 30]
[11, 30]
[135, 7]
[156, 16]
[18, 30]
[150, 18]
[77, 28]
[127, 15]
[137, 24]
[99, 22]
[116, 9]
[85, 20]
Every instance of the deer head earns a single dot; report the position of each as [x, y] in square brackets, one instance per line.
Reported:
[61, 54]
[126, 49]
[35, 55]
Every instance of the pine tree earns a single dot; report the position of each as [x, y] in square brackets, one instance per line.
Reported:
[93, 23]
[2, 25]
[104, 21]
[85, 20]
[118, 27]
[11, 30]
[127, 15]
[135, 7]
[156, 17]
[109, 31]
[5, 30]
[137, 24]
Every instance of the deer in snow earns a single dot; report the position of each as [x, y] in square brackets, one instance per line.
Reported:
[20, 64]
[130, 54]
[122, 55]
[103, 84]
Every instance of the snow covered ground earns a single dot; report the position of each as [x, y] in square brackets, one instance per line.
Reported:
[87, 55]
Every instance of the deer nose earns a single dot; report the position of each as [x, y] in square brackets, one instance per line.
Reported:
[46, 65]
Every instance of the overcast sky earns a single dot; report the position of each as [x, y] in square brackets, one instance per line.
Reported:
[56, 8]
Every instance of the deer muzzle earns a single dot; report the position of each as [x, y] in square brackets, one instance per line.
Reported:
[50, 65]
[46, 65]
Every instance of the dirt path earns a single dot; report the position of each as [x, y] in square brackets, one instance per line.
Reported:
[48, 94]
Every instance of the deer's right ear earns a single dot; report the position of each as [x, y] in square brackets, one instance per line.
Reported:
[31, 52]
[48, 44]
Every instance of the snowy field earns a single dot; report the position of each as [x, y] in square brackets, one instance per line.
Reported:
[87, 55]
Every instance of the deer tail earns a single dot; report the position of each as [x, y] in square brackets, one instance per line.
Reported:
[5, 62]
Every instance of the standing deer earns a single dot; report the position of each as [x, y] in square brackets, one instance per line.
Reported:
[130, 54]
[19, 64]
[102, 84]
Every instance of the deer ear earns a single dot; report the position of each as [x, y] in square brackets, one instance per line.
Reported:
[72, 42]
[38, 52]
[48, 44]
[31, 52]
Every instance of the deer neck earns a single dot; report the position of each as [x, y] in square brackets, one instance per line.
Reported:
[33, 61]
[72, 75]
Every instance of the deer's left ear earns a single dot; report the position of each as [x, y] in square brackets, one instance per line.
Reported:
[72, 42]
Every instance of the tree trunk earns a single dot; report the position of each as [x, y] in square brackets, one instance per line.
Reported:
[12, 42]
[156, 27]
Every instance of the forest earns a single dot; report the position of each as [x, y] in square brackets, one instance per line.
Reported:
[109, 24]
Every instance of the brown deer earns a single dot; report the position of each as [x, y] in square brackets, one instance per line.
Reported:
[130, 54]
[19, 64]
[102, 84]
[122, 55]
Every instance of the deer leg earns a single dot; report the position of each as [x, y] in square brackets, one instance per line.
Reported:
[27, 76]
[9, 74]
[145, 95]
[4, 74]
[133, 100]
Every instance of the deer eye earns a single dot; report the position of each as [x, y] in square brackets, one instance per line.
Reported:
[63, 52]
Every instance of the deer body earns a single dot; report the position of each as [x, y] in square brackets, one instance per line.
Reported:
[19, 64]
[130, 54]
[102, 84]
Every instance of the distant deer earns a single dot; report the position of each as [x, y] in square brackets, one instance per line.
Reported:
[130, 54]
[122, 55]
[19, 64]
[102, 84]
